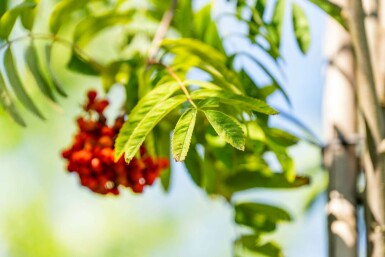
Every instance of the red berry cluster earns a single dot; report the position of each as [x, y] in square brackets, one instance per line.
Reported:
[91, 155]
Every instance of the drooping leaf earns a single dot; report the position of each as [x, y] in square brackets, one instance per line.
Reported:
[202, 50]
[332, 10]
[301, 28]
[149, 121]
[163, 150]
[227, 128]
[247, 180]
[17, 85]
[252, 243]
[56, 84]
[195, 167]
[87, 29]
[33, 63]
[144, 106]
[3, 7]
[229, 98]
[182, 134]
[28, 16]
[271, 213]
[277, 21]
[205, 28]
[8, 104]
[8, 20]
[280, 151]
[82, 65]
[63, 11]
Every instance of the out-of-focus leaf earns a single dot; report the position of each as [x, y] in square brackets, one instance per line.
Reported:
[247, 180]
[227, 128]
[206, 30]
[62, 12]
[301, 28]
[241, 101]
[277, 21]
[332, 10]
[3, 7]
[252, 243]
[17, 85]
[8, 104]
[8, 20]
[163, 150]
[56, 84]
[182, 134]
[145, 106]
[280, 151]
[203, 51]
[33, 63]
[87, 29]
[83, 66]
[260, 217]
[260, 6]
[194, 165]
[28, 16]
[282, 137]
[272, 213]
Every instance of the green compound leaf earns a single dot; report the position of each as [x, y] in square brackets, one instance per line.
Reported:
[242, 101]
[146, 105]
[252, 243]
[253, 210]
[245, 180]
[8, 104]
[62, 12]
[56, 84]
[86, 30]
[227, 128]
[27, 17]
[182, 134]
[17, 85]
[8, 20]
[301, 28]
[332, 10]
[33, 63]
[147, 123]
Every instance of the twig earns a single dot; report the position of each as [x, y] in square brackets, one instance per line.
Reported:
[162, 30]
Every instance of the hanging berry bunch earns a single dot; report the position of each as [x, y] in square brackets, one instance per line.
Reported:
[91, 155]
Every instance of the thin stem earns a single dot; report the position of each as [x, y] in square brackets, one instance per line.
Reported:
[162, 30]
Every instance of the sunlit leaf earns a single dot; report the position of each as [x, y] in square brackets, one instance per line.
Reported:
[227, 128]
[87, 29]
[8, 20]
[147, 123]
[145, 105]
[182, 134]
[62, 12]
[332, 10]
[301, 28]
[241, 101]
[28, 16]
[8, 104]
[277, 21]
[17, 85]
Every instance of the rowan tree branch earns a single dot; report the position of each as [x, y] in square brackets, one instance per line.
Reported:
[162, 30]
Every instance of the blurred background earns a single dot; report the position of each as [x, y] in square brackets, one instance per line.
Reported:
[45, 212]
